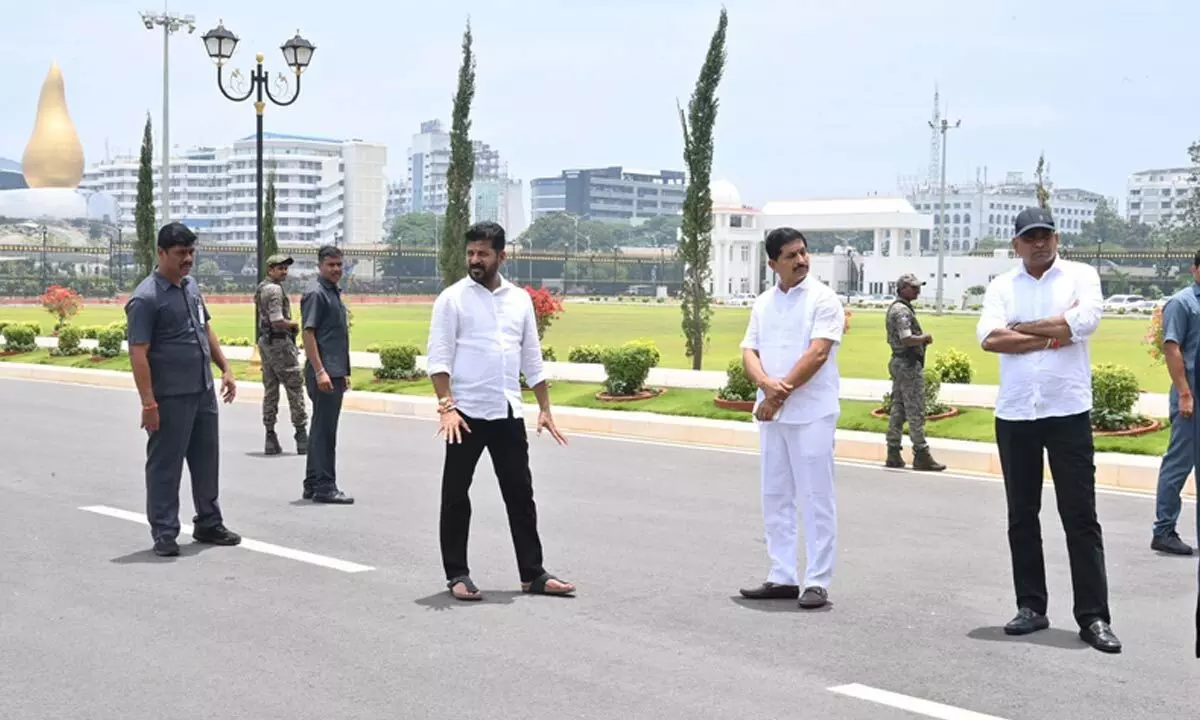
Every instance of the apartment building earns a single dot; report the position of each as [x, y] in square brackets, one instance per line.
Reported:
[326, 190]
[1158, 197]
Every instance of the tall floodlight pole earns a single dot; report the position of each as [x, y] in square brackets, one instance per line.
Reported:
[170, 23]
[941, 214]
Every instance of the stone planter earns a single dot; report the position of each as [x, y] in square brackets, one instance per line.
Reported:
[643, 394]
[1152, 425]
[739, 405]
[883, 414]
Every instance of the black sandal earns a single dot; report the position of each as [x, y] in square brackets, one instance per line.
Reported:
[538, 587]
[475, 595]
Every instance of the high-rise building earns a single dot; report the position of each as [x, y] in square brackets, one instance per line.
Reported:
[326, 190]
[500, 200]
[424, 189]
[1158, 197]
[613, 194]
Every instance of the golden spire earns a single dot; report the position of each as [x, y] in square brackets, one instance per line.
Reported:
[54, 156]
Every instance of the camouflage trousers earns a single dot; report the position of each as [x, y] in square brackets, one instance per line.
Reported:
[281, 366]
[908, 403]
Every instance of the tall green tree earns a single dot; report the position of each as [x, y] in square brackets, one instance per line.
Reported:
[1186, 232]
[144, 253]
[695, 242]
[270, 244]
[452, 255]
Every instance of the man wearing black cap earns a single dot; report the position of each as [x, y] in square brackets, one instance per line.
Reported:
[1038, 317]
[280, 358]
[907, 368]
[172, 347]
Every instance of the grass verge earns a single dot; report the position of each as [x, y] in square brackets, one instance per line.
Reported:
[970, 424]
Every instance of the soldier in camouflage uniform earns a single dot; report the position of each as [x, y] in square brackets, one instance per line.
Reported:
[280, 357]
[907, 368]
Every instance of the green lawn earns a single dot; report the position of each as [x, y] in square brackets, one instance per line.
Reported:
[971, 424]
[863, 355]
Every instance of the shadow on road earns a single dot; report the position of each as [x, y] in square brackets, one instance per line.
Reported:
[148, 556]
[776, 606]
[445, 601]
[1053, 637]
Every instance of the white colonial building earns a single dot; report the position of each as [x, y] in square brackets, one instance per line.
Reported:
[737, 256]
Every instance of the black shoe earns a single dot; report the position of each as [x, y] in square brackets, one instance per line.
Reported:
[1100, 636]
[813, 598]
[166, 547]
[336, 497]
[271, 446]
[1170, 544]
[1026, 621]
[219, 535]
[301, 441]
[894, 458]
[307, 495]
[772, 591]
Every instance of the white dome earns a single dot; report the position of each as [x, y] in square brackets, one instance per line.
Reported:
[724, 194]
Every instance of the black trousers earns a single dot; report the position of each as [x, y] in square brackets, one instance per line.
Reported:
[1068, 443]
[320, 473]
[508, 445]
[187, 430]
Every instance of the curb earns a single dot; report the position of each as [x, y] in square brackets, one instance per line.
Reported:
[1113, 470]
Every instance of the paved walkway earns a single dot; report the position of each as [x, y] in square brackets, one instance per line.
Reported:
[341, 611]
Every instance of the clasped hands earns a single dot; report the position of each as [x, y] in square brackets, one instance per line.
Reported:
[777, 391]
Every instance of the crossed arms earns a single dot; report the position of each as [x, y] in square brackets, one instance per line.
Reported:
[1074, 325]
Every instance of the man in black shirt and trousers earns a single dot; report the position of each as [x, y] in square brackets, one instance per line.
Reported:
[326, 374]
[171, 350]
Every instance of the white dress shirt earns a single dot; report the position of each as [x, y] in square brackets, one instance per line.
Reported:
[782, 326]
[485, 340]
[1045, 383]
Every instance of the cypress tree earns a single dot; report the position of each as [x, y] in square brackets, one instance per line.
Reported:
[144, 247]
[452, 260]
[695, 241]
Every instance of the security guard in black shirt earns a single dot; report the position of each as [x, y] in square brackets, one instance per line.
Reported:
[326, 374]
[172, 347]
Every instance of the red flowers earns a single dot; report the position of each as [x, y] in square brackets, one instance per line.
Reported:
[546, 307]
[62, 303]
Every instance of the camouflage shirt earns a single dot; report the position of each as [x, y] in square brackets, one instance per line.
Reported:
[902, 323]
[272, 305]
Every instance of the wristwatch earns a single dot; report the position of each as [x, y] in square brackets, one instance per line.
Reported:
[445, 405]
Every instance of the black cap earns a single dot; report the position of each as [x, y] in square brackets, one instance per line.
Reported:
[1034, 218]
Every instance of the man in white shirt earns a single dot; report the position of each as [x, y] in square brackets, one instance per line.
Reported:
[1038, 318]
[482, 337]
[790, 353]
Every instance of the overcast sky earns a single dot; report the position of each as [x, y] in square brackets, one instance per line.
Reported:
[820, 98]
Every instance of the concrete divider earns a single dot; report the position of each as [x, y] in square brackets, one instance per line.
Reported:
[1114, 470]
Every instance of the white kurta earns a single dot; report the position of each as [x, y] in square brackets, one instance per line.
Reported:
[797, 446]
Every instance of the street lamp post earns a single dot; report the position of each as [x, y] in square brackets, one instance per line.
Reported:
[170, 23]
[297, 52]
[942, 214]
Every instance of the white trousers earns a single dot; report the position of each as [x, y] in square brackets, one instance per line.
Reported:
[797, 463]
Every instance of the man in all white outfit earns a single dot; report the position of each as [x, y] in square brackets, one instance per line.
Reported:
[790, 353]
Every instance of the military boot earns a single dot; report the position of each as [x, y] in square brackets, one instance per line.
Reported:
[301, 441]
[272, 444]
[923, 460]
[894, 458]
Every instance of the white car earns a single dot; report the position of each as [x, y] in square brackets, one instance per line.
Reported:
[1128, 303]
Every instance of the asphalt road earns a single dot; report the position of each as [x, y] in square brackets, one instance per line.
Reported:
[658, 539]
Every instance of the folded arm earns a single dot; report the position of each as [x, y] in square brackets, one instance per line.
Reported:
[996, 336]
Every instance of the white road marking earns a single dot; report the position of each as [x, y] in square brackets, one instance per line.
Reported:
[928, 708]
[248, 544]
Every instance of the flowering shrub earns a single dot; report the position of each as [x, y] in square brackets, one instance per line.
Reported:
[546, 308]
[1154, 336]
[953, 366]
[61, 302]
